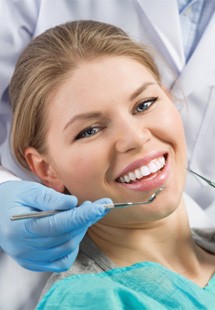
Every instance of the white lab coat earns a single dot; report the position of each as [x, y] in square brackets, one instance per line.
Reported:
[153, 22]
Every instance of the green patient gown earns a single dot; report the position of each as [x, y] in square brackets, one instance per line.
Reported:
[146, 285]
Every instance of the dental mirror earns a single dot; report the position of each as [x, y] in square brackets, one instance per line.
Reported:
[108, 206]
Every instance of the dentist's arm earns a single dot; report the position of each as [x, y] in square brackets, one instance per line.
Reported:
[45, 244]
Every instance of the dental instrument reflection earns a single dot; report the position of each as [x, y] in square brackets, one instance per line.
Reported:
[107, 206]
[210, 182]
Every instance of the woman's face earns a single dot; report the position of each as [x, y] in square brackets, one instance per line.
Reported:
[114, 132]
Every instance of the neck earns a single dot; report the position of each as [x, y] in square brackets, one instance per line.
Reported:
[168, 242]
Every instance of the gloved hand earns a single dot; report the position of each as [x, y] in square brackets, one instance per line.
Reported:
[50, 243]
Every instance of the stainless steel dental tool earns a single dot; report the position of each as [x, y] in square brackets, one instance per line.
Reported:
[108, 206]
[210, 182]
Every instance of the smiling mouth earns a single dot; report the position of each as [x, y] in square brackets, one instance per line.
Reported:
[144, 171]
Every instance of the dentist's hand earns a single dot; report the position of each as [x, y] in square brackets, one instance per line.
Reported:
[50, 243]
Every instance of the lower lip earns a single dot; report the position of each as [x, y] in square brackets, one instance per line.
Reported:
[152, 182]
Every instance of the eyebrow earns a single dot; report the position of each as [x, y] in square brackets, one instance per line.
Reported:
[82, 116]
[140, 89]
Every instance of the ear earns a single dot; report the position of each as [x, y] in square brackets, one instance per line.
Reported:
[43, 169]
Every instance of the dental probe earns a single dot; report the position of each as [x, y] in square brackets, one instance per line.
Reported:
[107, 206]
[210, 182]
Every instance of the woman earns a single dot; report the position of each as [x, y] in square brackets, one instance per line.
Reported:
[91, 113]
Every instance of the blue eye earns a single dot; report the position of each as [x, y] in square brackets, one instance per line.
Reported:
[88, 132]
[146, 104]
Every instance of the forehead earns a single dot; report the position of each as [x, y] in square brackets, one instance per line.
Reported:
[102, 78]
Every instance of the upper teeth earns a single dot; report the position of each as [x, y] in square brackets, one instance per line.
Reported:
[153, 166]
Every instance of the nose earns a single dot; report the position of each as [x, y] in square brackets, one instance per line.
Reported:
[131, 136]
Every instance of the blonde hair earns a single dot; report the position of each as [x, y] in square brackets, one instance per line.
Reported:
[47, 62]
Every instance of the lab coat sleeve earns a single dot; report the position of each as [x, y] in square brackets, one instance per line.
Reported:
[18, 20]
[17, 23]
[6, 175]
[198, 218]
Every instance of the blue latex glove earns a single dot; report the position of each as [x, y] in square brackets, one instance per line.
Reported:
[50, 243]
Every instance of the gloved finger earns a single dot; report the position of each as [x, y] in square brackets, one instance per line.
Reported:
[39, 244]
[35, 247]
[67, 221]
[44, 198]
[59, 265]
[50, 253]
[58, 252]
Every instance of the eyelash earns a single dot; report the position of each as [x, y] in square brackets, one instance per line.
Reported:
[146, 103]
[85, 133]
[91, 131]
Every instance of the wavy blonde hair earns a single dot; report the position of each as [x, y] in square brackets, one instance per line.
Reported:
[48, 61]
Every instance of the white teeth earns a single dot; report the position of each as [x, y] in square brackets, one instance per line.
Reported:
[132, 176]
[138, 174]
[122, 180]
[162, 160]
[153, 166]
[145, 171]
[159, 164]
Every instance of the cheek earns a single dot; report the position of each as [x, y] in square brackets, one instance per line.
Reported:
[171, 128]
[178, 136]
[82, 172]
[173, 135]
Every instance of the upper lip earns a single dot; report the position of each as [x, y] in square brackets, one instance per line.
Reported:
[139, 162]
